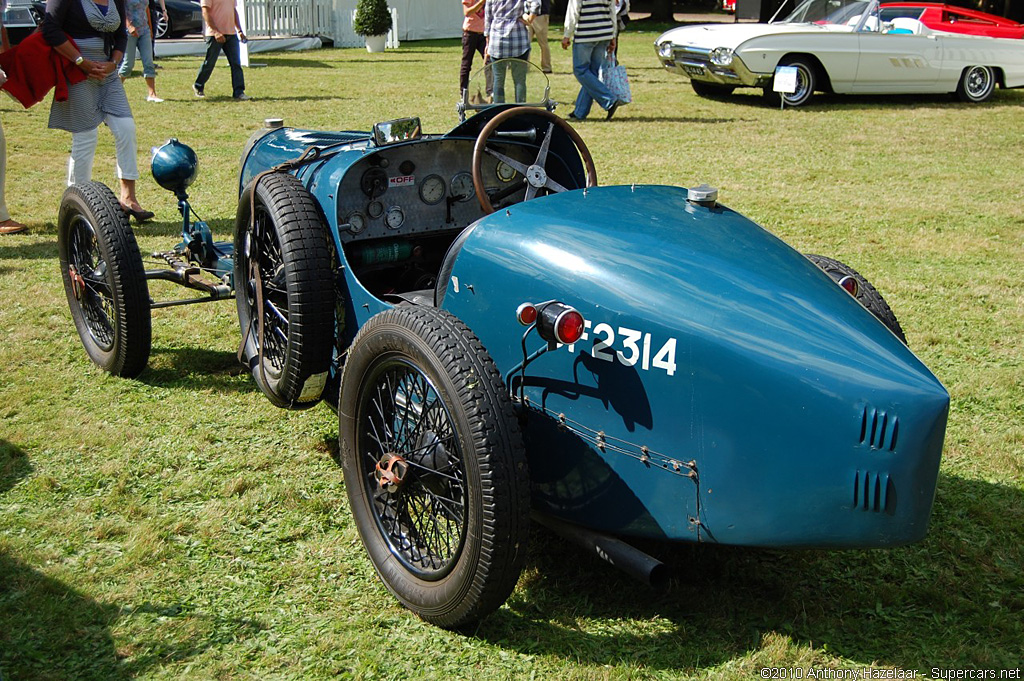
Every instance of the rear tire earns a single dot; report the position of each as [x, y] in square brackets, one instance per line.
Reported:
[283, 262]
[977, 84]
[420, 395]
[867, 295]
[104, 279]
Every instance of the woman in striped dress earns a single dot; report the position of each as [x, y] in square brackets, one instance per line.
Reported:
[591, 27]
[98, 29]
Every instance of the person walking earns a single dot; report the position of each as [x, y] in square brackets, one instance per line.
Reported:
[137, 26]
[473, 40]
[591, 26]
[98, 28]
[7, 224]
[223, 31]
[505, 23]
[539, 30]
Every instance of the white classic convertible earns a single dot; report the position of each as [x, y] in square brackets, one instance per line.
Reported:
[841, 46]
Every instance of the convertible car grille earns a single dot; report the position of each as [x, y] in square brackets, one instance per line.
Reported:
[873, 491]
[878, 429]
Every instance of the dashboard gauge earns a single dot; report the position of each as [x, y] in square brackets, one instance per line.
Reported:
[506, 173]
[356, 222]
[462, 186]
[374, 182]
[432, 190]
[394, 218]
[375, 209]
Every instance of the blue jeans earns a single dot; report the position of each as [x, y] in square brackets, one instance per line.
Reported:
[587, 60]
[518, 68]
[145, 46]
[230, 47]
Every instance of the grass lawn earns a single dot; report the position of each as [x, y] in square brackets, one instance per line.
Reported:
[179, 526]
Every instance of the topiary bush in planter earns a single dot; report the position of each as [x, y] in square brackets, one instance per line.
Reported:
[372, 17]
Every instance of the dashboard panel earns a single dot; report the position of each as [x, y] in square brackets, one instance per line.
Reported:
[421, 188]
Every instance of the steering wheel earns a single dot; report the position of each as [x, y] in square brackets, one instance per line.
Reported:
[535, 174]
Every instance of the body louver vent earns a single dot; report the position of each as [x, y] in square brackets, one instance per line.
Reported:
[873, 491]
[878, 429]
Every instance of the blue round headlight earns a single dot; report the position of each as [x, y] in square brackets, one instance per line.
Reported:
[175, 166]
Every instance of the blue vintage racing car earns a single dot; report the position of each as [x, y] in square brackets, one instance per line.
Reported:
[501, 337]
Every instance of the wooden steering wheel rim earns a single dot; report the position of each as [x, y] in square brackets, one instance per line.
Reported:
[494, 123]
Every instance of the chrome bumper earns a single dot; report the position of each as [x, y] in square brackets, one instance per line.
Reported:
[694, 63]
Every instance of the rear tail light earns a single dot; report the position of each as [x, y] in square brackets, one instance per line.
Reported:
[556, 322]
[526, 314]
[851, 285]
[559, 323]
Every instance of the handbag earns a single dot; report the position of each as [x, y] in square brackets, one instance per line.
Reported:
[615, 77]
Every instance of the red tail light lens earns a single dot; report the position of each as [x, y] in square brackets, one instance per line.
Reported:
[851, 285]
[559, 323]
[569, 327]
[526, 314]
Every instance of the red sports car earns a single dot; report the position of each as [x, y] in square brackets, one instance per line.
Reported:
[940, 17]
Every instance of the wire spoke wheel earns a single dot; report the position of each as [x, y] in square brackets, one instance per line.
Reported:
[92, 291]
[977, 84]
[434, 465]
[104, 279]
[422, 514]
[284, 289]
[266, 286]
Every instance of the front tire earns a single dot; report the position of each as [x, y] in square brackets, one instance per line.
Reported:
[284, 290]
[977, 84]
[104, 279]
[434, 465]
[806, 84]
[866, 294]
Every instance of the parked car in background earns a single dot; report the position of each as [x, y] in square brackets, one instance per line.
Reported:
[19, 21]
[183, 17]
[729, 6]
[940, 17]
[844, 47]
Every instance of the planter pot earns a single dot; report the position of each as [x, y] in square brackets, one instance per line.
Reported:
[375, 43]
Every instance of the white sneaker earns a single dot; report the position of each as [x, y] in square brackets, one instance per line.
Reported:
[153, 98]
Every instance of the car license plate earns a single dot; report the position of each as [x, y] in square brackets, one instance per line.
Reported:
[693, 69]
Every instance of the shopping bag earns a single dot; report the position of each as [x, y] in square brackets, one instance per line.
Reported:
[615, 77]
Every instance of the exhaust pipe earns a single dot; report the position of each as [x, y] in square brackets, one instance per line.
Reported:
[616, 552]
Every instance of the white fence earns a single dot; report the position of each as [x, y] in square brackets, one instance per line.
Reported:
[278, 18]
[332, 20]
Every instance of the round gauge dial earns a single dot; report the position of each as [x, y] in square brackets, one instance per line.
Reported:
[506, 173]
[462, 186]
[356, 222]
[394, 218]
[432, 190]
[375, 209]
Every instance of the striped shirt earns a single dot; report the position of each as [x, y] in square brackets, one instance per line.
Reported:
[590, 21]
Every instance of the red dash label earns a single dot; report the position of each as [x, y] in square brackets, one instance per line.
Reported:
[402, 181]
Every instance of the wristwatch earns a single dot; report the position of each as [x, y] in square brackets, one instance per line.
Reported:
[79, 60]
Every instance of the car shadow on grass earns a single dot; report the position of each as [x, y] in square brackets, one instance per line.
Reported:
[954, 600]
[196, 369]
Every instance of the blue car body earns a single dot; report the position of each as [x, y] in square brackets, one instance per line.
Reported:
[726, 389]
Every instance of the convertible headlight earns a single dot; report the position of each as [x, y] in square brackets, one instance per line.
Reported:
[721, 56]
[665, 50]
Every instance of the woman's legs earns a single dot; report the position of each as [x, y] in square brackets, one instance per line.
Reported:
[126, 149]
[83, 150]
